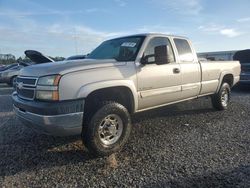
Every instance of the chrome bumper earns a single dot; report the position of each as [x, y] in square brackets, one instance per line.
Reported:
[57, 125]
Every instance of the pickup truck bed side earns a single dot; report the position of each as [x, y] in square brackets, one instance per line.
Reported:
[213, 74]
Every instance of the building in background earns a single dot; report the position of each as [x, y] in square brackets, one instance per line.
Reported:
[217, 56]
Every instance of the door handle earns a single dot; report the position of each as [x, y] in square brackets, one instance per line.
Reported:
[176, 70]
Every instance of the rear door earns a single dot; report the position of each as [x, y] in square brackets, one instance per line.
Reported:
[158, 84]
[190, 69]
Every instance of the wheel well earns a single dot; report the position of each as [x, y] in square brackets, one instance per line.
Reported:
[120, 94]
[228, 79]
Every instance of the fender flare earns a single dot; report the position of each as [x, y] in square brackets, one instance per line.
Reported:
[221, 78]
[85, 90]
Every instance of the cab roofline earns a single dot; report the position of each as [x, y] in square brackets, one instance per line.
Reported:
[151, 34]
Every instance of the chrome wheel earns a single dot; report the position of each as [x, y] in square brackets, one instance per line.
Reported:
[110, 129]
[224, 97]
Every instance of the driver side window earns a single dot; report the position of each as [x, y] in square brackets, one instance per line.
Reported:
[155, 42]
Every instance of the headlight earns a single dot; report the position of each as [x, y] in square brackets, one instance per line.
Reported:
[47, 88]
[52, 80]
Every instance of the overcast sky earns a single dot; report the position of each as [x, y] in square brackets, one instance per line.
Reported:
[69, 27]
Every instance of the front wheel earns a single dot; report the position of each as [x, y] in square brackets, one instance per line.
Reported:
[221, 99]
[107, 130]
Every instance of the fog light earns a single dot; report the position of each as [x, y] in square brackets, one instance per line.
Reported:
[47, 95]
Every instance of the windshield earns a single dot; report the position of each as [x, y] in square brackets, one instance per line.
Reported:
[121, 49]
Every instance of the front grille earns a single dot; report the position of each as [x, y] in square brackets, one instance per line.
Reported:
[26, 93]
[25, 87]
[27, 80]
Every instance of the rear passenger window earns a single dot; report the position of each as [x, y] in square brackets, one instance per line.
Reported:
[184, 50]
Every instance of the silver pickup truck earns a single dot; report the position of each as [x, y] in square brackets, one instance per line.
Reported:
[95, 96]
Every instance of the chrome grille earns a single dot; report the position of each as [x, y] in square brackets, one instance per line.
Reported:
[27, 81]
[25, 87]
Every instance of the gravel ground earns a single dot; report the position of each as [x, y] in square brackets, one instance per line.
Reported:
[183, 145]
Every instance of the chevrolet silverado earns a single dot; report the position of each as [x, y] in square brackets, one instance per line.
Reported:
[95, 96]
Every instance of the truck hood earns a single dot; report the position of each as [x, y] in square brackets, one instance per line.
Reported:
[37, 57]
[64, 67]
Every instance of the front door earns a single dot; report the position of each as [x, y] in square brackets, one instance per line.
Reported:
[158, 84]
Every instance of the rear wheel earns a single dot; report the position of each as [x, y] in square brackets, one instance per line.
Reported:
[107, 130]
[221, 99]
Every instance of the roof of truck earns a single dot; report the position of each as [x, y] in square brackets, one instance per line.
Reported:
[154, 34]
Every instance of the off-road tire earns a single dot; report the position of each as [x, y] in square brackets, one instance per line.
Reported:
[90, 134]
[221, 99]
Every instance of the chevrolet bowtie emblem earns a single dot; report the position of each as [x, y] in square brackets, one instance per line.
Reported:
[20, 85]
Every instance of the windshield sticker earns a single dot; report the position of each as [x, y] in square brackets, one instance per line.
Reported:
[129, 44]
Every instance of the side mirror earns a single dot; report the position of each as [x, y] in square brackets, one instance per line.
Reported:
[145, 59]
[162, 55]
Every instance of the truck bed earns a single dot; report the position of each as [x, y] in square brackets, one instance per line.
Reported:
[213, 70]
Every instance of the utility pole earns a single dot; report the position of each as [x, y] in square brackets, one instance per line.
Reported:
[75, 39]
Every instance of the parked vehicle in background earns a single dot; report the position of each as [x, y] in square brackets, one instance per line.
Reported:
[244, 57]
[37, 57]
[76, 57]
[9, 73]
[95, 96]
[2, 66]
[8, 66]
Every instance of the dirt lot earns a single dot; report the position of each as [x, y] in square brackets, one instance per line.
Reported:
[183, 145]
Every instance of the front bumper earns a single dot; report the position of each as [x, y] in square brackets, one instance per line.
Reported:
[53, 118]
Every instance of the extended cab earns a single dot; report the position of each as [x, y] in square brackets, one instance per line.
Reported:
[95, 96]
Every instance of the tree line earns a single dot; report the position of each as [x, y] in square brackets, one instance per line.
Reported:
[7, 59]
